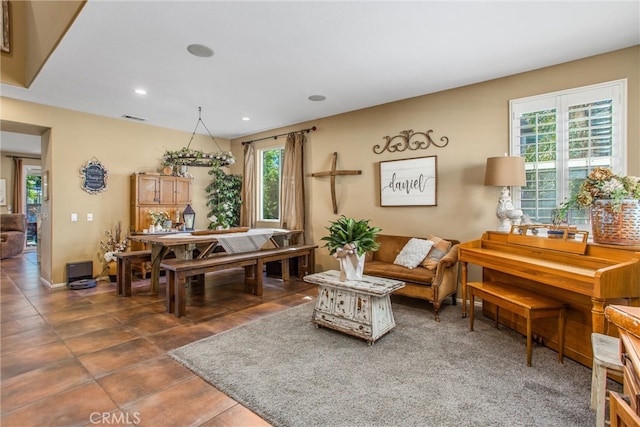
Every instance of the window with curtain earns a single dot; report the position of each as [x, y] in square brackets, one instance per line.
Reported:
[562, 136]
[269, 178]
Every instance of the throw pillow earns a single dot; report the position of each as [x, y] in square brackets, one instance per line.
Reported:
[437, 252]
[413, 253]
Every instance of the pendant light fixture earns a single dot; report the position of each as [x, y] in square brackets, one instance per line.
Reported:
[192, 157]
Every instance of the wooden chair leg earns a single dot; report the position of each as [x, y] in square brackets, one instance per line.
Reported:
[471, 308]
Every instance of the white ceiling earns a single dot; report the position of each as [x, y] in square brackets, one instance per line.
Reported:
[270, 56]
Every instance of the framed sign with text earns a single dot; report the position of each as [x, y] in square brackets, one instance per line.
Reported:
[409, 182]
[94, 177]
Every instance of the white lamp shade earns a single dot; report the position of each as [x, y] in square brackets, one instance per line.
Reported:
[505, 171]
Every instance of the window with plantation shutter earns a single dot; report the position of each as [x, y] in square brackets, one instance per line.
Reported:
[562, 136]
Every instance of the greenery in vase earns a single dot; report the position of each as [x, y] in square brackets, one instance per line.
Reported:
[223, 198]
[344, 231]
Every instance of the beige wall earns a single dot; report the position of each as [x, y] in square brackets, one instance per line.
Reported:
[14, 63]
[124, 148]
[474, 118]
[36, 28]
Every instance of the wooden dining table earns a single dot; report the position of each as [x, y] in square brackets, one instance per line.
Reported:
[184, 243]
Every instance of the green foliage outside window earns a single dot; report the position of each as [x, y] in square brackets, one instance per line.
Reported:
[271, 166]
[34, 188]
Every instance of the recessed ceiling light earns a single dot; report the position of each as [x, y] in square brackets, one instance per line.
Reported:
[200, 50]
[140, 91]
[246, 119]
[317, 98]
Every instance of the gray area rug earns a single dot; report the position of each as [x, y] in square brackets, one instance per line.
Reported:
[422, 373]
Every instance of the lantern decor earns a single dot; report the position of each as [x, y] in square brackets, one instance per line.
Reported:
[189, 216]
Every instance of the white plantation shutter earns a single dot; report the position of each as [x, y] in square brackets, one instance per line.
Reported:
[562, 136]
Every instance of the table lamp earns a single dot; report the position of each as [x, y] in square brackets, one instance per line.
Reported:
[189, 216]
[505, 172]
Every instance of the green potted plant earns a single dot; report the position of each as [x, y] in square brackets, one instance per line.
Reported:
[349, 240]
[224, 199]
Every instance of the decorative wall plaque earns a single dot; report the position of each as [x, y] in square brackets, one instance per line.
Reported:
[94, 177]
[404, 141]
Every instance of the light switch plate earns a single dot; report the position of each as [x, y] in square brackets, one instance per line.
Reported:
[74, 217]
[89, 217]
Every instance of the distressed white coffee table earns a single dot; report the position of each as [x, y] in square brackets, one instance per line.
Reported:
[361, 308]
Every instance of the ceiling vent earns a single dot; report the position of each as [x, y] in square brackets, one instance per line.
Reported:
[130, 117]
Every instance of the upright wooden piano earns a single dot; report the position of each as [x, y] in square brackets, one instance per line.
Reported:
[587, 277]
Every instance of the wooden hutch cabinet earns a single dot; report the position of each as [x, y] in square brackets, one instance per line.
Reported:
[158, 193]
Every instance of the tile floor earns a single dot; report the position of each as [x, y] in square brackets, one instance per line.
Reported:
[88, 357]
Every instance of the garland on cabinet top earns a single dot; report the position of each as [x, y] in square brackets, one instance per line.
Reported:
[223, 198]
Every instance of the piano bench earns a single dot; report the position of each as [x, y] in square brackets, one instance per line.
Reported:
[522, 302]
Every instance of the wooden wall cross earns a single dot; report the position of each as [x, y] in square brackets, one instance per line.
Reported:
[333, 173]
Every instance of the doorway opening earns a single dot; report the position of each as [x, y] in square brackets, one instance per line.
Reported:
[33, 199]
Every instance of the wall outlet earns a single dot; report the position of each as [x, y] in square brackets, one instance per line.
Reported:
[74, 217]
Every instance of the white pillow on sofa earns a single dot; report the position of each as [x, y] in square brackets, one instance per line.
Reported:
[413, 253]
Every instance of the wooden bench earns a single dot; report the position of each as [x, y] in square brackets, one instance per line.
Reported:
[125, 262]
[306, 262]
[522, 302]
[179, 270]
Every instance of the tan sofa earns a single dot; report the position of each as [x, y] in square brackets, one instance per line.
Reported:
[12, 234]
[420, 282]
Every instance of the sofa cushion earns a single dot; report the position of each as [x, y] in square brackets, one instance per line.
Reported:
[413, 253]
[439, 250]
[390, 247]
[417, 275]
